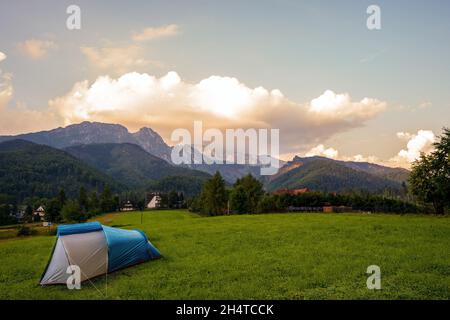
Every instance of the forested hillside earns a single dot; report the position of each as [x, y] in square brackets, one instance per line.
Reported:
[131, 165]
[28, 169]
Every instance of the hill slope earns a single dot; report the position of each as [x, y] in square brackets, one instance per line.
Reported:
[395, 174]
[130, 164]
[324, 174]
[28, 169]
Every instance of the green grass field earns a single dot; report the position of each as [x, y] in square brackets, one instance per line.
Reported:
[273, 256]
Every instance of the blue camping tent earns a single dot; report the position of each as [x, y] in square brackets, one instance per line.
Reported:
[96, 249]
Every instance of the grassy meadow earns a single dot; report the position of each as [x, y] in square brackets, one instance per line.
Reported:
[271, 256]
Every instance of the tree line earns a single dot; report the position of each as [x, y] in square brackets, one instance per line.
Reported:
[248, 196]
[60, 208]
[85, 205]
[79, 209]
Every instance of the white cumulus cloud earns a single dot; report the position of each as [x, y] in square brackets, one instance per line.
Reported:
[330, 104]
[361, 158]
[320, 150]
[332, 153]
[166, 103]
[422, 141]
[419, 142]
[2, 56]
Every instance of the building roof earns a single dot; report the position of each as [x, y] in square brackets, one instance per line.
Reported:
[292, 191]
[128, 205]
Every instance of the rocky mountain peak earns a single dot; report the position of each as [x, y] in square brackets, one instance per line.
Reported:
[97, 132]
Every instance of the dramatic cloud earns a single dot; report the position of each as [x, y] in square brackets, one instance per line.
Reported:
[2, 56]
[36, 49]
[168, 103]
[152, 33]
[422, 141]
[117, 60]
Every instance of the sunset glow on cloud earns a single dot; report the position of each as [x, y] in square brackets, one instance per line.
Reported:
[6, 89]
[422, 141]
[35, 48]
[118, 60]
[139, 99]
[152, 33]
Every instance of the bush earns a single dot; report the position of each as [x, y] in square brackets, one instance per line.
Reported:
[194, 204]
[25, 231]
[268, 204]
[52, 231]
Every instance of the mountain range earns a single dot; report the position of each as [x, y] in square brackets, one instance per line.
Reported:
[96, 132]
[141, 160]
[28, 169]
[319, 173]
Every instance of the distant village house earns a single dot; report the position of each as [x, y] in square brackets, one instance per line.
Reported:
[39, 213]
[337, 209]
[292, 191]
[128, 206]
[155, 200]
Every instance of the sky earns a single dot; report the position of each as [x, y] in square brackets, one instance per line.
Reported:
[309, 68]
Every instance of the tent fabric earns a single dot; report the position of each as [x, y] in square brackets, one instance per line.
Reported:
[89, 251]
[154, 253]
[66, 229]
[97, 250]
[127, 247]
[56, 270]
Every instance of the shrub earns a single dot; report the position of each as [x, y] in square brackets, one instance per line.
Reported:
[25, 231]
[52, 231]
